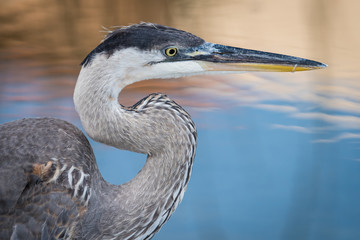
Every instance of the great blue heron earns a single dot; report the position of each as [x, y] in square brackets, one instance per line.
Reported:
[51, 187]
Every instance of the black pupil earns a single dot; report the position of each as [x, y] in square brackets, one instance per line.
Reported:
[172, 51]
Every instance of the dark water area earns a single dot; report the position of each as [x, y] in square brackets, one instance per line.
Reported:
[278, 153]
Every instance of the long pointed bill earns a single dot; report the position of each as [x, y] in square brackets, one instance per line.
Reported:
[216, 57]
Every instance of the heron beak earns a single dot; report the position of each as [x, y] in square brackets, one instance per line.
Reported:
[216, 57]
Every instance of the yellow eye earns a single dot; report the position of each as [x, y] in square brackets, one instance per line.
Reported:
[171, 51]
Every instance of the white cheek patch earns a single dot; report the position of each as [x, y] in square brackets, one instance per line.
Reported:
[127, 66]
[132, 65]
[172, 69]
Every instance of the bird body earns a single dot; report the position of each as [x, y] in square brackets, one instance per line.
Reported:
[50, 185]
[44, 189]
[66, 181]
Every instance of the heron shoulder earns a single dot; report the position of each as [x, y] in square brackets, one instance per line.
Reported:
[52, 150]
[48, 161]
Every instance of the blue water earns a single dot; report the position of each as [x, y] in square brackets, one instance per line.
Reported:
[250, 180]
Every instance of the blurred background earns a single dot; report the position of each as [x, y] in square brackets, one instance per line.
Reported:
[278, 154]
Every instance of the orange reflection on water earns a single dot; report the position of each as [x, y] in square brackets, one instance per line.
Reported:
[42, 44]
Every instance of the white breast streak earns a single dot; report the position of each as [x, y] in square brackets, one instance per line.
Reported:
[81, 180]
[70, 176]
[88, 198]
[58, 171]
[84, 193]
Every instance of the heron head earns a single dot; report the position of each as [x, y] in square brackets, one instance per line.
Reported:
[147, 51]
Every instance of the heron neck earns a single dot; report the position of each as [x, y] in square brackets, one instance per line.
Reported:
[141, 206]
[156, 126]
[154, 194]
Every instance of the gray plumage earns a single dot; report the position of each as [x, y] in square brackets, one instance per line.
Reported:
[50, 185]
[35, 204]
